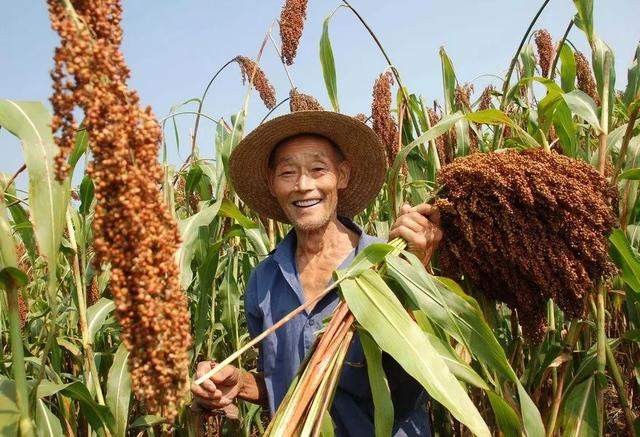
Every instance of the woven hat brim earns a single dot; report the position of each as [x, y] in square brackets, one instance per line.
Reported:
[249, 166]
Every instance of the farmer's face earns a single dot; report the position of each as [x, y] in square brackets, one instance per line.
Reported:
[306, 176]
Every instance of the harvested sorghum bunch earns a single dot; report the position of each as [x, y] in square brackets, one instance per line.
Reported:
[303, 102]
[525, 227]
[485, 98]
[586, 82]
[250, 70]
[383, 123]
[134, 233]
[546, 52]
[292, 19]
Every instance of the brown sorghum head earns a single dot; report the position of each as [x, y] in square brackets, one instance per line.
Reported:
[292, 19]
[23, 310]
[93, 294]
[303, 102]
[361, 117]
[383, 123]
[250, 70]
[546, 52]
[485, 98]
[586, 82]
[445, 153]
[463, 96]
[525, 227]
[134, 233]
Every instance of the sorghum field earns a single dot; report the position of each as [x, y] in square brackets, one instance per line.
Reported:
[528, 320]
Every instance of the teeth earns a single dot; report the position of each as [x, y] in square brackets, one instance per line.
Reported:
[305, 203]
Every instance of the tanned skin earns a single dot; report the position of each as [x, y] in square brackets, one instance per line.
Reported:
[307, 172]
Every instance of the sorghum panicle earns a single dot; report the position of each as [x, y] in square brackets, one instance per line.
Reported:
[485, 98]
[546, 52]
[361, 117]
[292, 17]
[463, 96]
[249, 70]
[445, 154]
[586, 81]
[303, 102]
[525, 227]
[134, 233]
[383, 123]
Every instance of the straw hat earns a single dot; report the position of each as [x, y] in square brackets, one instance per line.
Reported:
[360, 145]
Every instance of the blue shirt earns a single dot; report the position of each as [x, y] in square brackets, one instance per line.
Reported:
[274, 290]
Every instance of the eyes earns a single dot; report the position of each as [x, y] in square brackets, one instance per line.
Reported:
[290, 171]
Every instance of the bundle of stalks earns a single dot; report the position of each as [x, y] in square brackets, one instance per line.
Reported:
[303, 409]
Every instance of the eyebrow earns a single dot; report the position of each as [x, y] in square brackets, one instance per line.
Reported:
[315, 155]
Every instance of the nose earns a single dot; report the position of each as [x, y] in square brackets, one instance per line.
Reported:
[305, 183]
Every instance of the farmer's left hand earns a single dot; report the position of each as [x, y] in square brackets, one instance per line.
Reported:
[419, 226]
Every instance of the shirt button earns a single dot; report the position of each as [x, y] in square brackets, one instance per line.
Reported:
[311, 322]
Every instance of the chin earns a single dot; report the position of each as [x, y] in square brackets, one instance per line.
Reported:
[308, 224]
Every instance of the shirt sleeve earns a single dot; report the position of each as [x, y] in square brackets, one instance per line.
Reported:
[253, 314]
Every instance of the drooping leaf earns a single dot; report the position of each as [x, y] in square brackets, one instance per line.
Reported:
[585, 16]
[328, 65]
[580, 414]
[47, 424]
[383, 406]
[632, 92]
[97, 313]
[584, 107]
[380, 312]
[119, 390]
[48, 199]
[624, 257]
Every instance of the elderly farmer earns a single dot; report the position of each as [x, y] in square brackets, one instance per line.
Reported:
[316, 170]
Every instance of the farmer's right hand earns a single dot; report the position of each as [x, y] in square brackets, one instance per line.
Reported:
[221, 389]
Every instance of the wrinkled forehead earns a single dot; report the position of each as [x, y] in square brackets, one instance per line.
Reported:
[308, 145]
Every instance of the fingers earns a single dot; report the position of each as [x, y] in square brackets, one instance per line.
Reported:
[409, 235]
[202, 368]
[225, 376]
[430, 211]
[414, 221]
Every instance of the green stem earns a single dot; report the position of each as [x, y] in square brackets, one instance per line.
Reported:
[619, 384]
[604, 116]
[601, 351]
[17, 356]
[395, 72]
[497, 139]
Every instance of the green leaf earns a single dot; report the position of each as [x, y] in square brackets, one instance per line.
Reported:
[461, 318]
[146, 421]
[580, 414]
[632, 91]
[567, 68]
[370, 256]
[9, 413]
[380, 312]
[47, 424]
[97, 313]
[566, 129]
[624, 257]
[383, 406]
[12, 277]
[119, 390]
[632, 173]
[48, 199]
[189, 235]
[600, 52]
[585, 16]
[98, 416]
[328, 65]
[449, 82]
[506, 417]
[583, 106]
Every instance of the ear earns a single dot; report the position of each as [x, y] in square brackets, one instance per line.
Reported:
[344, 172]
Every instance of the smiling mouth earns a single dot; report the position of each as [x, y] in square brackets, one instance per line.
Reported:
[306, 203]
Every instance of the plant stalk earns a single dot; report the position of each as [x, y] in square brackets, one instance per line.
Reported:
[601, 353]
[604, 116]
[17, 357]
[619, 384]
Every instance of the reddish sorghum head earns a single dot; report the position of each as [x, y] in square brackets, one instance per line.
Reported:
[292, 19]
[134, 232]
[525, 227]
[251, 71]
[546, 52]
[303, 102]
[383, 123]
[586, 81]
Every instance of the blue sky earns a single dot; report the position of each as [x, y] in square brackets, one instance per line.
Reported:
[174, 47]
